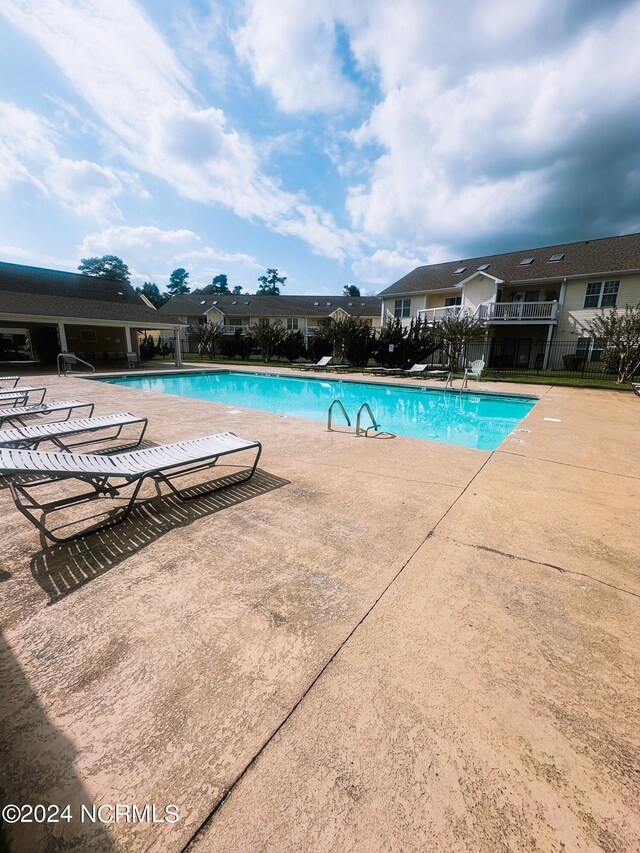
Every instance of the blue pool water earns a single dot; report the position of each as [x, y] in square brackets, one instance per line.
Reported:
[471, 420]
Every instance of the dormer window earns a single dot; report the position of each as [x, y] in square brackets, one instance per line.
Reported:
[555, 258]
[203, 302]
[459, 270]
[247, 302]
[316, 304]
[349, 304]
[215, 302]
[525, 262]
[483, 267]
[234, 301]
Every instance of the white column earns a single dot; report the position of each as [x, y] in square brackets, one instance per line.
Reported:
[547, 349]
[62, 335]
[178, 349]
[127, 339]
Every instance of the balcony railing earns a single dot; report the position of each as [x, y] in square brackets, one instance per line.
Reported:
[430, 315]
[231, 330]
[518, 311]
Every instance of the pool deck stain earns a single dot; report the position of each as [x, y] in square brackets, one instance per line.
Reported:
[390, 645]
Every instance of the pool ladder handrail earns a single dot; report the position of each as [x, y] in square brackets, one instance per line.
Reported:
[365, 407]
[330, 412]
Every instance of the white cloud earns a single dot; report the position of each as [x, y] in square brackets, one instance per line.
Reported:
[489, 148]
[119, 63]
[291, 48]
[25, 140]
[384, 266]
[152, 253]
[29, 155]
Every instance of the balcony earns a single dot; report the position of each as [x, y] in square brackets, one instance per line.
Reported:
[431, 315]
[518, 312]
[231, 330]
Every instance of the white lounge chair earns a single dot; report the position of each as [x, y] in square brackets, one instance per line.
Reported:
[108, 475]
[133, 359]
[57, 432]
[416, 370]
[22, 392]
[13, 379]
[382, 371]
[636, 388]
[320, 365]
[474, 371]
[18, 414]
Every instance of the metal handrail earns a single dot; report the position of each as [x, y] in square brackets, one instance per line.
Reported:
[67, 356]
[329, 413]
[373, 420]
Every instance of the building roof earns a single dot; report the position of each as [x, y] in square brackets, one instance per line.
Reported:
[589, 257]
[244, 305]
[51, 293]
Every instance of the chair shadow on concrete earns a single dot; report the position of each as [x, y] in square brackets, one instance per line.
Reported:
[38, 767]
[62, 569]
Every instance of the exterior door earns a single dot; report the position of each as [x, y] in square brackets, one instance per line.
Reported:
[523, 352]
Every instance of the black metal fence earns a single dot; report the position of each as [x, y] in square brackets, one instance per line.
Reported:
[580, 358]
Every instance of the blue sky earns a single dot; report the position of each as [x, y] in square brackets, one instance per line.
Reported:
[339, 141]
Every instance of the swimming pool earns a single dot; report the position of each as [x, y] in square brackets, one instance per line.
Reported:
[472, 420]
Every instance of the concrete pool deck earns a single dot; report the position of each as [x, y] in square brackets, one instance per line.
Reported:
[387, 645]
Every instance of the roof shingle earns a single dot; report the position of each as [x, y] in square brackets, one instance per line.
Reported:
[244, 305]
[51, 293]
[589, 257]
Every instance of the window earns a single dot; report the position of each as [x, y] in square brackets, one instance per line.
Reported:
[236, 322]
[589, 350]
[202, 321]
[555, 258]
[292, 324]
[459, 270]
[402, 308]
[526, 261]
[601, 294]
[263, 321]
[88, 336]
[452, 300]
[483, 267]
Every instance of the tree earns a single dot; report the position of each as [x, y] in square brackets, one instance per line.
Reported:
[268, 338]
[621, 331]
[178, 282]
[351, 290]
[391, 344]
[350, 338]
[456, 332]
[237, 289]
[269, 283]
[108, 266]
[208, 336]
[292, 345]
[152, 292]
[219, 284]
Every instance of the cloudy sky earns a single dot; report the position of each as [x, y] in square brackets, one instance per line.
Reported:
[338, 140]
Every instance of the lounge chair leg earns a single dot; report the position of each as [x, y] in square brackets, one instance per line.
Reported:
[28, 507]
[179, 493]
